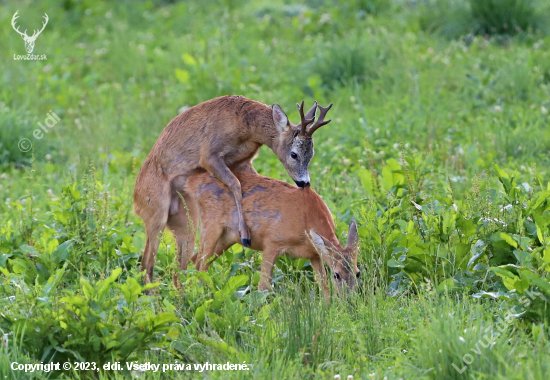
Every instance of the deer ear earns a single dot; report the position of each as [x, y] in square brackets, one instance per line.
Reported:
[322, 245]
[279, 118]
[317, 239]
[353, 237]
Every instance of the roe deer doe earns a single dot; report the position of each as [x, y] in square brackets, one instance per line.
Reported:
[220, 136]
[280, 217]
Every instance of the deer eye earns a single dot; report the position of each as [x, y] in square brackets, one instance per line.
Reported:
[337, 276]
[293, 155]
[358, 274]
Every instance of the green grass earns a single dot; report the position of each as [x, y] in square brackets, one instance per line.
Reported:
[439, 149]
[458, 18]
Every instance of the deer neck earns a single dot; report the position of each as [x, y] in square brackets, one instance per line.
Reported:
[318, 216]
[265, 133]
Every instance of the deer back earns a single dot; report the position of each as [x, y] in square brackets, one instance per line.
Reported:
[222, 126]
[273, 209]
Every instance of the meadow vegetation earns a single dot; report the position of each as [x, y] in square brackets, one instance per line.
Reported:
[439, 148]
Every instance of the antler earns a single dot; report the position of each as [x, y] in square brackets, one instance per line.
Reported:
[304, 121]
[15, 16]
[321, 121]
[35, 34]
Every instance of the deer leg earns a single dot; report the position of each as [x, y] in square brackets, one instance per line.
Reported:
[151, 203]
[183, 223]
[317, 264]
[217, 167]
[221, 247]
[268, 263]
[155, 222]
[211, 239]
[218, 251]
[244, 167]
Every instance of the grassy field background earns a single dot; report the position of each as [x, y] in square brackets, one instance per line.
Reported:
[439, 149]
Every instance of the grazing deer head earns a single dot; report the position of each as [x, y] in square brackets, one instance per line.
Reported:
[29, 41]
[342, 262]
[295, 148]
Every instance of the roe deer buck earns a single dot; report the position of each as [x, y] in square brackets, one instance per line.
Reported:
[220, 136]
[280, 216]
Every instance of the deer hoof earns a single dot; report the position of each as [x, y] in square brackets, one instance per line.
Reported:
[246, 242]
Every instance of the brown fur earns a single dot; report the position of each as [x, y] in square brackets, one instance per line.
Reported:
[220, 136]
[280, 217]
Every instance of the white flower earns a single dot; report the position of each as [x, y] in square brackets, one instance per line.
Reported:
[3, 176]
[498, 109]
[544, 110]
[337, 377]
[325, 17]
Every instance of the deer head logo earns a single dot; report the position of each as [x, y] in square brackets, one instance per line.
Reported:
[29, 41]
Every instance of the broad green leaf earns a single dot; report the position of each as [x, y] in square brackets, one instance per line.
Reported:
[540, 235]
[395, 264]
[87, 289]
[200, 315]
[163, 318]
[53, 281]
[205, 277]
[218, 344]
[504, 178]
[189, 60]
[183, 76]
[510, 240]
[74, 300]
[503, 272]
[234, 283]
[536, 280]
[150, 286]
[131, 290]
[477, 250]
[28, 249]
[466, 226]
[104, 285]
[62, 252]
[446, 286]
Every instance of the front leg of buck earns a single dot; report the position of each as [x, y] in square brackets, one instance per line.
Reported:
[244, 167]
[217, 167]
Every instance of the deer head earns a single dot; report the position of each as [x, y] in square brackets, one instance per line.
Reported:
[294, 147]
[29, 41]
[342, 261]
